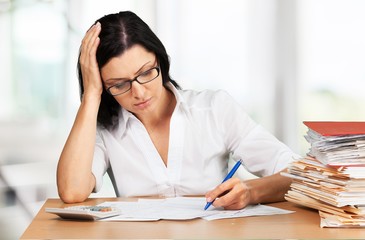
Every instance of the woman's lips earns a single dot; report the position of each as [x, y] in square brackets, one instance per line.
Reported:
[143, 104]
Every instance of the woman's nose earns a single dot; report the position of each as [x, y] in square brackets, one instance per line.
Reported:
[137, 89]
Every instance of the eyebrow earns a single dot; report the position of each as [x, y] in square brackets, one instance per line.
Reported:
[118, 79]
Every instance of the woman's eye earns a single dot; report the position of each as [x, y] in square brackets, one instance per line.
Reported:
[146, 74]
[119, 86]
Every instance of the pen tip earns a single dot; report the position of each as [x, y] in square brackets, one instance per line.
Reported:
[207, 205]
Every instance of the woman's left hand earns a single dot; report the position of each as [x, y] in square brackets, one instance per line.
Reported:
[232, 194]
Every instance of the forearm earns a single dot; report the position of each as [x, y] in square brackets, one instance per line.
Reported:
[75, 180]
[268, 189]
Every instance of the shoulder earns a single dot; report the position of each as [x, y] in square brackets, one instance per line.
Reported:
[205, 98]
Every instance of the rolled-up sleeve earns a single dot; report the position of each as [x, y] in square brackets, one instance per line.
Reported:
[100, 161]
[262, 153]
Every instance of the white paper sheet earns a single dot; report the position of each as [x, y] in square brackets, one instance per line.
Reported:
[182, 208]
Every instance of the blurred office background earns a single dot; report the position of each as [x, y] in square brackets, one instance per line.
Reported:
[285, 61]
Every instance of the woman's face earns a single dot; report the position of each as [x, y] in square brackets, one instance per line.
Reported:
[141, 99]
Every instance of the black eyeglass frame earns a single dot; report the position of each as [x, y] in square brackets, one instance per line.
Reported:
[134, 79]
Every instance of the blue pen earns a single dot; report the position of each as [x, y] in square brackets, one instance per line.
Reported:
[229, 175]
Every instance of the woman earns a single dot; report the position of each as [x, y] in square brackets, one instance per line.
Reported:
[152, 137]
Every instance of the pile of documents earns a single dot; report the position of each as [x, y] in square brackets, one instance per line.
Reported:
[337, 143]
[331, 178]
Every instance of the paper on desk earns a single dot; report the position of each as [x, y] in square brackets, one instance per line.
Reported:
[329, 220]
[182, 208]
[249, 211]
[156, 209]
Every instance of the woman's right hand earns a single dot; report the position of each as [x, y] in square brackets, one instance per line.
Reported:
[92, 82]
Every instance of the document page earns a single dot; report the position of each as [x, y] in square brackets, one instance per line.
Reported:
[182, 208]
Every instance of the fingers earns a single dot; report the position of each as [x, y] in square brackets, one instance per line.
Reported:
[90, 43]
[232, 194]
[91, 34]
[89, 66]
[92, 38]
[221, 188]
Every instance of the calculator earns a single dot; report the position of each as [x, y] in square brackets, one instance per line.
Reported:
[81, 212]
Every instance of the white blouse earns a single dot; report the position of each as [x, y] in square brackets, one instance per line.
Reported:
[204, 129]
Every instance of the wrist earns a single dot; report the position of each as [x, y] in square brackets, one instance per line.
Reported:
[91, 97]
[90, 104]
[252, 192]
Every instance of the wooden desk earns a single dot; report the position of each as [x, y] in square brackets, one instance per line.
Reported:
[304, 223]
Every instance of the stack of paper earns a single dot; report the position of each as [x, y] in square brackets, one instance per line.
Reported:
[337, 143]
[332, 177]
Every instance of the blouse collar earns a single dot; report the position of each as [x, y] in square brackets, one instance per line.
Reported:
[125, 116]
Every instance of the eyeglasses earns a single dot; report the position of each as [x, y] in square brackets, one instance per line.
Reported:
[142, 78]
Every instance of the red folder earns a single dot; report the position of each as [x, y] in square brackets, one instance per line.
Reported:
[337, 128]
